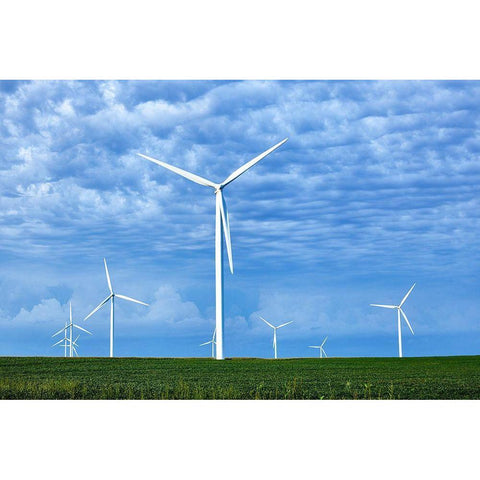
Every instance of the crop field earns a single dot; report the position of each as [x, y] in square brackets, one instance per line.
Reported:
[249, 378]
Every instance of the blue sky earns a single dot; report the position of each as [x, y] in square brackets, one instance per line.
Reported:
[376, 188]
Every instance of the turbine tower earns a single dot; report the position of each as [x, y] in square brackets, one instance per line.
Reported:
[111, 297]
[213, 342]
[275, 333]
[320, 348]
[70, 326]
[399, 311]
[222, 228]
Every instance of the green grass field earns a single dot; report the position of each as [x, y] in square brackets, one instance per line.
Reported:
[200, 378]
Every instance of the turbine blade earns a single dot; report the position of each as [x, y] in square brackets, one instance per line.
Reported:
[250, 164]
[183, 173]
[323, 343]
[406, 319]
[268, 323]
[81, 328]
[60, 331]
[325, 353]
[60, 341]
[226, 228]
[98, 307]
[283, 324]
[383, 306]
[108, 276]
[405, 297]
[313, 346]
[206, 343]
[131, 299]
[75, 350]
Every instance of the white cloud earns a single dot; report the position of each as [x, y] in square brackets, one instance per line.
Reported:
[169, 309]
[47, 312]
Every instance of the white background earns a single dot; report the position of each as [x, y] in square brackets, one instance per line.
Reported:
[244, 40]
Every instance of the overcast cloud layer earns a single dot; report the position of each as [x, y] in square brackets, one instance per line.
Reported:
[377, 188]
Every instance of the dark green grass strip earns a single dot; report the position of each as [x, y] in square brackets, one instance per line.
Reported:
[182, 378]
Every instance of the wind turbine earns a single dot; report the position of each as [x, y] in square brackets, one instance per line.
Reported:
[70, 326]
[213, 342]
[399, 311]
[64, 340]
[222, 228]
[66, 343]
[320, 348]
[275, 333]
[111, 297]
[75, 344]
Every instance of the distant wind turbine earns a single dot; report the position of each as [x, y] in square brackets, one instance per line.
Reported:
[70, 326]
[66, 343]
[75, 344]
[399, 311]
[111, 297]
[64, 340]
[222, 228]
[320, 348]
[213, 342]
[275, 333]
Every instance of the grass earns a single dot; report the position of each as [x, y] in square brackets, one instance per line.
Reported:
[202, 378]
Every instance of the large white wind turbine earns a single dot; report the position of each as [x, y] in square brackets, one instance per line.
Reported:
[320, 348]
[111, 297]
[222, 228]
[275, 332]
[70, 326]
[213, 342]
[399, 311]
